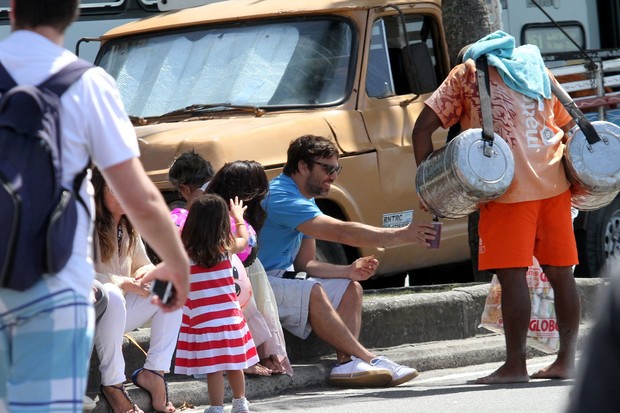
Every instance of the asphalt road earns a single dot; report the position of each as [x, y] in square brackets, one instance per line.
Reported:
[443, 391]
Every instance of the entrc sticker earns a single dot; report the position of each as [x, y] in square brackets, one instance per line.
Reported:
[397, 219]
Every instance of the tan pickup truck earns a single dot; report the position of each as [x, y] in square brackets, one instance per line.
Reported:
[240, 79]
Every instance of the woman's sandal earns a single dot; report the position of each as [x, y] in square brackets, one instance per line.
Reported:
[134, 379]
[134, 407]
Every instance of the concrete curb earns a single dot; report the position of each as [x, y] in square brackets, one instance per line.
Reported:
[428, 330]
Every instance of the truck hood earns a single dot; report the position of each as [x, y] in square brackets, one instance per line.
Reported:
[222, 140]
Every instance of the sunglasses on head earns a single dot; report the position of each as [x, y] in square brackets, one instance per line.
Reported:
[329, 169]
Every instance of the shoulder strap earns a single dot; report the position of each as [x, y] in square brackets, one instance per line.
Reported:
[6, 80]
[578, 116]
[77, 185]
[59, 82]
[484, 89]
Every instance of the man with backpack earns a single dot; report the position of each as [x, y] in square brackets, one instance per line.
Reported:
[47, 317]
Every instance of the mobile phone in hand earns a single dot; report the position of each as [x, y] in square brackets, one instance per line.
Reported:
[163, 289]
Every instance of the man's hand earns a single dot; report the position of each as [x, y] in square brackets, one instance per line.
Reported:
[421, 233]
[165, 272]
[363, 268]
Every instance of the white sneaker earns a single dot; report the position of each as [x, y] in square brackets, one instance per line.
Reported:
[400, 374]
[358, 373]
[240, 406]
[89, 404]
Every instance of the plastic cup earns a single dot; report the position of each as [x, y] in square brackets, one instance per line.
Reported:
[435, 243]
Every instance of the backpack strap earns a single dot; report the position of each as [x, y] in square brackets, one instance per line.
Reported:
[6, 80]
[58, 83]
[77, 185]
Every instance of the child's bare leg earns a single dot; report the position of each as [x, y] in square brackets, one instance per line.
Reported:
[237, 383]
[215, 383]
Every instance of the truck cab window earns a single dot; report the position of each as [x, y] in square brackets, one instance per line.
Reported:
[379, 78]
[550, 39]
[386, 74]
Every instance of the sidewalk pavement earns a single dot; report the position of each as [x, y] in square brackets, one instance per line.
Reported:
[428, 328]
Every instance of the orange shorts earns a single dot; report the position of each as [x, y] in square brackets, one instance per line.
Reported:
[510, 234]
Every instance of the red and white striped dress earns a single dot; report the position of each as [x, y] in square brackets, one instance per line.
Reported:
[214, 335]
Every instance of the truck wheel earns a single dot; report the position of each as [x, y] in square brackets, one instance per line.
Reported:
[389, 281]
[177, 203]
[600, 241]
[331, 252]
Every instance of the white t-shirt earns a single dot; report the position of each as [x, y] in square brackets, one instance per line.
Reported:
[94, 125]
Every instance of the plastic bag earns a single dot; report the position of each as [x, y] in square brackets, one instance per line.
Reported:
[543, 332]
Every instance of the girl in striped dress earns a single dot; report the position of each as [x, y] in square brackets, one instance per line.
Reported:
[214, 337]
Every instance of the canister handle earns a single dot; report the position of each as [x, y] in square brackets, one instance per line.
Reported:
[484, 89]
[577, 115]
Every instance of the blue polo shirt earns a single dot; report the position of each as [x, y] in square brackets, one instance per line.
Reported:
[279, 240]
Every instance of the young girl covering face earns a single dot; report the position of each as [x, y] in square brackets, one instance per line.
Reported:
[214, 337]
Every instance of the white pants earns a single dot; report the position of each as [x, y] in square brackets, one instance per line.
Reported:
[124, 314]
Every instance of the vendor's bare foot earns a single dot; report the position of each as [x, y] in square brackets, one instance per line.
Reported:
[274, 364]
[555, 371]
[503, 375]
[258, 370]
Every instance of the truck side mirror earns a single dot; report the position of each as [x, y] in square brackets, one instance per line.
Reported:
[419, 68]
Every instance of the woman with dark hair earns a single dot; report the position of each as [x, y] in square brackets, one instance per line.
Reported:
[120, 263]
[248, 181]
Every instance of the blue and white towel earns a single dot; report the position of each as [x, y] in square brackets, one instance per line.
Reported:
[521, 68]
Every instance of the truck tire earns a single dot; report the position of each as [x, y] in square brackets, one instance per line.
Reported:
[599, 241]
[332, 252]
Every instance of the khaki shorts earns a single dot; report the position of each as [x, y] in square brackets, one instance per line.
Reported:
[293, 299]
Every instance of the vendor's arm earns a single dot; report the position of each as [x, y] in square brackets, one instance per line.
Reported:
[427, 123]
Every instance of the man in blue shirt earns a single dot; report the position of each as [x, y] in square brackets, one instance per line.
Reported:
[330, 300]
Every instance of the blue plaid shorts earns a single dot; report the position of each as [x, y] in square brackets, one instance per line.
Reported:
[46, 336]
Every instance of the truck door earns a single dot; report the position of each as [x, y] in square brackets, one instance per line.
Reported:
[389, 109]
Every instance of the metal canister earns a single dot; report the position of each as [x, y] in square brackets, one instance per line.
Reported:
[469, 171]
[593, 168]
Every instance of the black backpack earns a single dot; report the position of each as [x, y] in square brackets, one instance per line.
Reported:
[38, 217]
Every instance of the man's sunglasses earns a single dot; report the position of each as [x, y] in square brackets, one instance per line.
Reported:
[329, 169]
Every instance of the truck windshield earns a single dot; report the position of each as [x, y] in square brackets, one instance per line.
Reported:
[286, 63]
